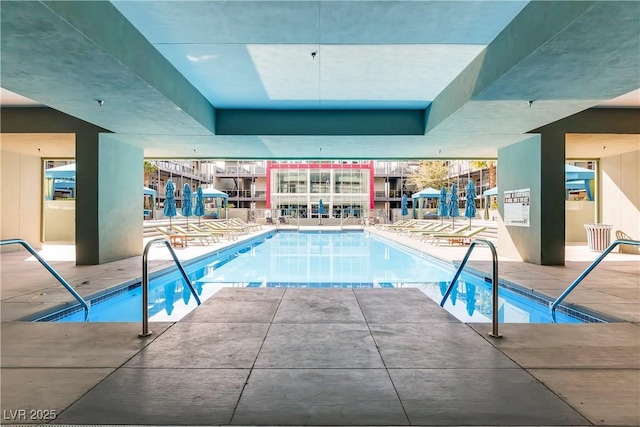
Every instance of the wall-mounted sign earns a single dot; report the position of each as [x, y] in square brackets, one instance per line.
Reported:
[516, 207]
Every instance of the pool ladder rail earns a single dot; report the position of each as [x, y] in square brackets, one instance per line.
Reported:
[361, 222]
[145, 281]
[85, 305]
[494, 282]
[554, 305]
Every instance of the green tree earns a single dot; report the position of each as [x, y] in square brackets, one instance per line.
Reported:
[149, 168]
[430, 173]
[487, 164]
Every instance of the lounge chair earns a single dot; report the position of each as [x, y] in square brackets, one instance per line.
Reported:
[244, 226]
[418, 228]
[225, 230]
[203, 236]
[179, 238]
[440, 228]
[195, 228]
[400, 225]
[248, 225]
[460, 238]
[386, 226]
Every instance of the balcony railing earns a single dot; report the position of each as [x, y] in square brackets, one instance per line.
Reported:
[246, 170]
[245, 194]
[178, 169]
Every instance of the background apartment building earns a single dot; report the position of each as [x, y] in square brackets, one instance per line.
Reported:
[346, 188]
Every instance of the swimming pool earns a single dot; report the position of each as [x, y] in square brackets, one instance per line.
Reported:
[318, 260]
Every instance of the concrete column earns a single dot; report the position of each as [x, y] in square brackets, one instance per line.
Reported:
[109, 199]
[536, 164]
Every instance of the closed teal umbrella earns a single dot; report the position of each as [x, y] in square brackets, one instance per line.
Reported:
[404, 211]
[320, 210]
[170, 201]
[199, 209]
[470, 209]
[187, 204]
[454, 209]
[443, 207]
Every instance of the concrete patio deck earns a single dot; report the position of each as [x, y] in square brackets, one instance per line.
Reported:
[322, 357]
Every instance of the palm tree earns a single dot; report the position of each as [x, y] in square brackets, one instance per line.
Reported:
[491, 165]
[149, 168]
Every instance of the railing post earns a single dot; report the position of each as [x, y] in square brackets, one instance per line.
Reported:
[145, 282]
[554, 305]
[494, 255]
[145, 292]
[55, 274]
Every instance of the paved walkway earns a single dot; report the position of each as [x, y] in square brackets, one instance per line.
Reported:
[322, 357]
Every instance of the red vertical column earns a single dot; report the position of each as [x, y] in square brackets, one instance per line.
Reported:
[268, 185]
[371, 186]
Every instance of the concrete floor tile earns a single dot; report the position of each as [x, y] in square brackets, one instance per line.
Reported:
[479, 397]
[44, 392]
[586, 295]
[627, 311]
[72, 345]
[319, 306]
[596, 345]
[319, 346]
[446, 345]
[238, 305]
[381, 306]
[204, 345]
[629, 294]
[160, 396]
[25, 311]
[604, 397]
[251, 294]
[319, 397]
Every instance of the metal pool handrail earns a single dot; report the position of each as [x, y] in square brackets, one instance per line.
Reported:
[554, 305]
[342, 220]
[46, 265]
[297, 218]
[145, 281]
[494, 280]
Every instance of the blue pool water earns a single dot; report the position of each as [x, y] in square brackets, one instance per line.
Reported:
[317, 260]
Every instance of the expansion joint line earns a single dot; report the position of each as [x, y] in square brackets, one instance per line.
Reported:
[381, 358]
[235, 408]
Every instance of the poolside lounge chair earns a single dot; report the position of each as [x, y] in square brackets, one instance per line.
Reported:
[250, 226]
[460, 238]
[399, 225]
[219, 229]
[418, 228]
[203, 236]
[229, 232]
[386, 226]
[195, 228]
[242, 226]
[180, 237]
[440, 228]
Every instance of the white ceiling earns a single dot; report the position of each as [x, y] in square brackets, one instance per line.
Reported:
[166, 68]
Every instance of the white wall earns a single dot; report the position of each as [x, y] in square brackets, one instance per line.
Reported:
[578, 213]
[120, 181]
[59, 221]
[20, 183]
[620, 193]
